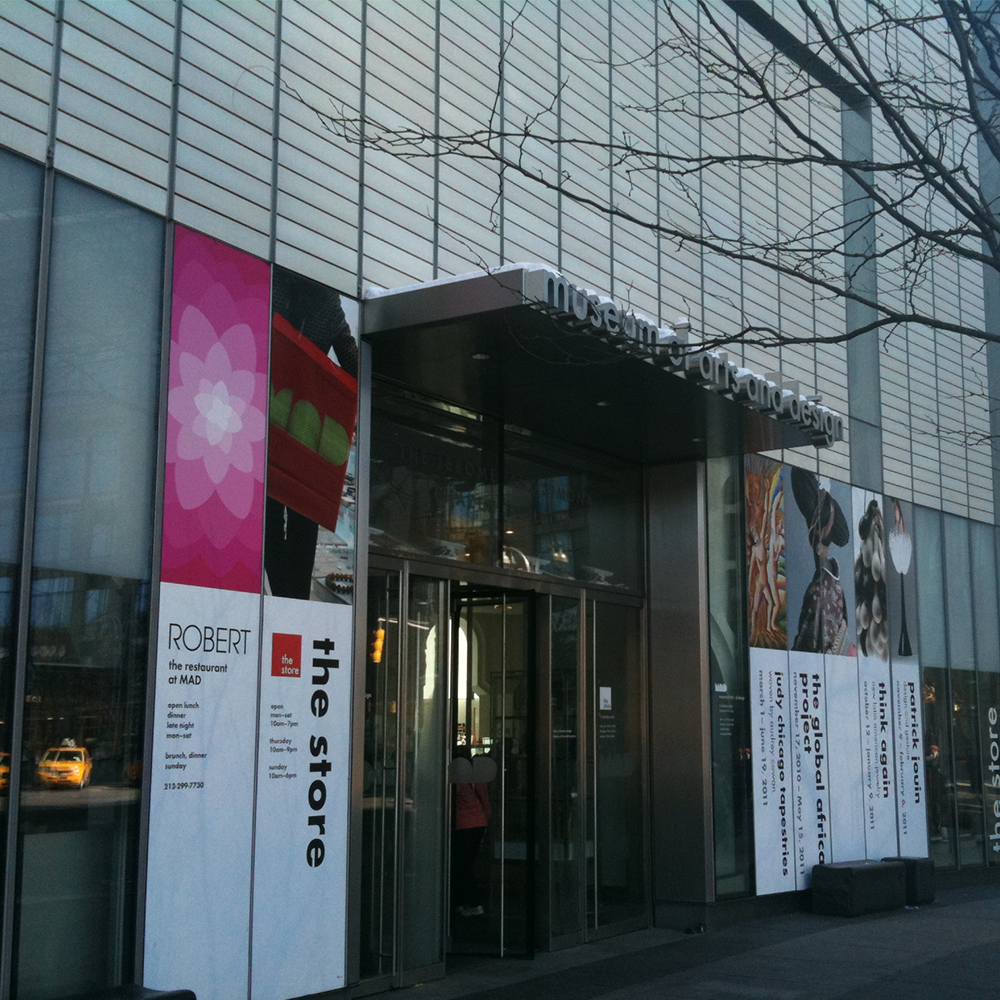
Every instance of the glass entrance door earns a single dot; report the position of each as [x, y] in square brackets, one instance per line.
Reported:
[447, 812]
[491, 774]
[504, 803]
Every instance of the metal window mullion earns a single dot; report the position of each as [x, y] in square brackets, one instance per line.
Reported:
[592, 719]
[949, 707]
[402, 713]
[275, 130]
[503, 770]
[975, 678]
[581, 761]
[158, 493]
[362, 136]
[436, 159]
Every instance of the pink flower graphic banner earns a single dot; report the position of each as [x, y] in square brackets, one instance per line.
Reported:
[213, 508]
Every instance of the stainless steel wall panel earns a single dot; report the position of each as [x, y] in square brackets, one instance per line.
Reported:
[679, 729]
[127, 29]
[151, 109]
[89, 139]
[225, 200]
[137, 131]
[248, 23]
[212, 221]
[23, 122]
[114, 62]
[303, 250]
[109, 177]
[27, 60]
[238, 182]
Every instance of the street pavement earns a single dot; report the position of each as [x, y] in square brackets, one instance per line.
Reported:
[945, 950]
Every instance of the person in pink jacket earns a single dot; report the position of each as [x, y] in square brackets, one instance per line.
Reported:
[472, 817]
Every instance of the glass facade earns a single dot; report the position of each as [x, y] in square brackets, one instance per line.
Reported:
[449, 488]
[457, 486]
[20, 230]
[86, 634]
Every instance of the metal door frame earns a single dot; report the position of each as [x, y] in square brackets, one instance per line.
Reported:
[536, 594]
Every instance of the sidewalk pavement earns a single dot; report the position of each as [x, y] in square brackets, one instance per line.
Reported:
[946, 950]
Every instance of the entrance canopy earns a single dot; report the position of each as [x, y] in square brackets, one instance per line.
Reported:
[513, 344]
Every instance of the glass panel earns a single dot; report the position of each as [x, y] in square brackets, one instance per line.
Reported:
[568, 516]
[20, 216]
[731, 788]
[378, 847]
[492, 806]
[425, 745]
[433, 481]
[935, 687]
[619, 878]
[567, 839]
[89, 625]
[964, 699]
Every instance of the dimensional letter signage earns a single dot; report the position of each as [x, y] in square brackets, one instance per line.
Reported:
[586, 310]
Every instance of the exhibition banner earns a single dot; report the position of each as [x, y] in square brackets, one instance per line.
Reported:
[771, 727]
[810, 769]
[201, 800]
[844, 759]
[878, 770]
[836, 702]
[878, 777]
[303, 769]
[911, 790]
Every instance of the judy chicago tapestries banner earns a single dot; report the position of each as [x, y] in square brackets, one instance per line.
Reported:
[838, 751]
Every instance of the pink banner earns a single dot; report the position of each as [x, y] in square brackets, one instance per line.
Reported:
[213, 508]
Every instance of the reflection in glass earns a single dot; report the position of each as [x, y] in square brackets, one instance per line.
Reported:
[731, 789]
[378, 848]
[566, 849]
[569, 515]
[561, 513]
[433, 481]
[968, 791]
[85, 676]
[935, 687]
[425, 745]
[984, 597]
[491, 778]
[617, 879]
[20, 215]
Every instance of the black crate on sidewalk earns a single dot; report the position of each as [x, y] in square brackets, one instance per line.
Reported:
[919, 880]
[850, 888]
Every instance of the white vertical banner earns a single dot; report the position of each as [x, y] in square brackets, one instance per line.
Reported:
[771, 721]
[911, 787]
[844, 759]
[878, 769]
[205, 711]
[809, 768]
[303, 785]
